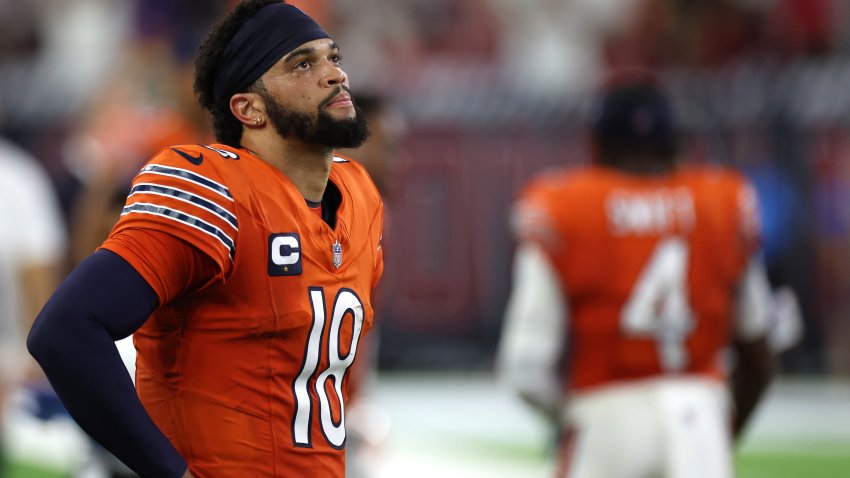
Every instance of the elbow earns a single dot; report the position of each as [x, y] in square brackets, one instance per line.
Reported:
[39, 338]
[52, 331]
[766, 366]
[757, 363]
[760, 379]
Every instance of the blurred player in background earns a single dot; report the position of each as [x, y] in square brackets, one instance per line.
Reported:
[382, 154]
[243, 269]
[32, 252]
[631, 278]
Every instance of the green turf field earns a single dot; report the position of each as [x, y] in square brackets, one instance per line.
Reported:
[462, 426]
[26, 471]
[762, 464]
[800, 464]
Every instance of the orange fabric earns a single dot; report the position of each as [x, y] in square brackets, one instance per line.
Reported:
[598, 228]
[219, 365]
[170, 265]
[317, 211]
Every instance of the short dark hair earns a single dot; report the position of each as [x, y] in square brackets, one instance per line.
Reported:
[633, 122]
[227, 129]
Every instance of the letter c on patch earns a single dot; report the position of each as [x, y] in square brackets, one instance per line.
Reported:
[284, 254]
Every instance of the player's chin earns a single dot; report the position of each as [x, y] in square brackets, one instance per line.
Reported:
[341, 111]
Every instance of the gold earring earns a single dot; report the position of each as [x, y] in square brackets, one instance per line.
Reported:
[257, 121]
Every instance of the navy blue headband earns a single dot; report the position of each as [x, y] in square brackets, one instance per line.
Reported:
[265, 38]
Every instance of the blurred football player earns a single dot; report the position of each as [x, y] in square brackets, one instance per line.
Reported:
[382, 154]
[243, 270]
[32, 252]
[632, 277]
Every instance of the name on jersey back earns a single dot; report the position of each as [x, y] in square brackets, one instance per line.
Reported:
[650, 212]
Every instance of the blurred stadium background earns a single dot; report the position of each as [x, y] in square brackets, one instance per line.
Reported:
[490, 92]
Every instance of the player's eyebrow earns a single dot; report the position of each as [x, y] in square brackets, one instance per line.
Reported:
[309, 50]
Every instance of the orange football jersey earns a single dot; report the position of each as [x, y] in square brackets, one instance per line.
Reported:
[247, 374]
[649, 266]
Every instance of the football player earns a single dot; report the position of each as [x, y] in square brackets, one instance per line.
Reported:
[243, 269]
[632, 277]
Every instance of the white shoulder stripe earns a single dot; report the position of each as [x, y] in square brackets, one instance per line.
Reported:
[183, 218]
[187, 197]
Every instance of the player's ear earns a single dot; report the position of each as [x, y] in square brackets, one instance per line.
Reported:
[247, 108]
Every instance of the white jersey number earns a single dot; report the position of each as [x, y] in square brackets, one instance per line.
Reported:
[346, 304]
[658, 306]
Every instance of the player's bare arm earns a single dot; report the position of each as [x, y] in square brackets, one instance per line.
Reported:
[750, 379]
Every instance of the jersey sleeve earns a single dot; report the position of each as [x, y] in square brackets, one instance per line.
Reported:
[535, 328]
[752, 307]
[182, 195]
[753, 297]
[532, 219]
[169, 265]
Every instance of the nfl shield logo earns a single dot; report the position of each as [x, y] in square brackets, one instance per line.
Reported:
[337, 250]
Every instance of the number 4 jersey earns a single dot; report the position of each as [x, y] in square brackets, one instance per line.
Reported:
[245, 372]
[649, 266]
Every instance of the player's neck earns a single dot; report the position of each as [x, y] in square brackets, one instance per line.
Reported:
[306, 165]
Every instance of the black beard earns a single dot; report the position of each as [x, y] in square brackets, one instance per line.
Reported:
[321, 129]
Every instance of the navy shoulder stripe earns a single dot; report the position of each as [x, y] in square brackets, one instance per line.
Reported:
[185, 196]
[189, 176]
[181, 217]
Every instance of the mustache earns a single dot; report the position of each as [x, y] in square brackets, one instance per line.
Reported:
[331, 96]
